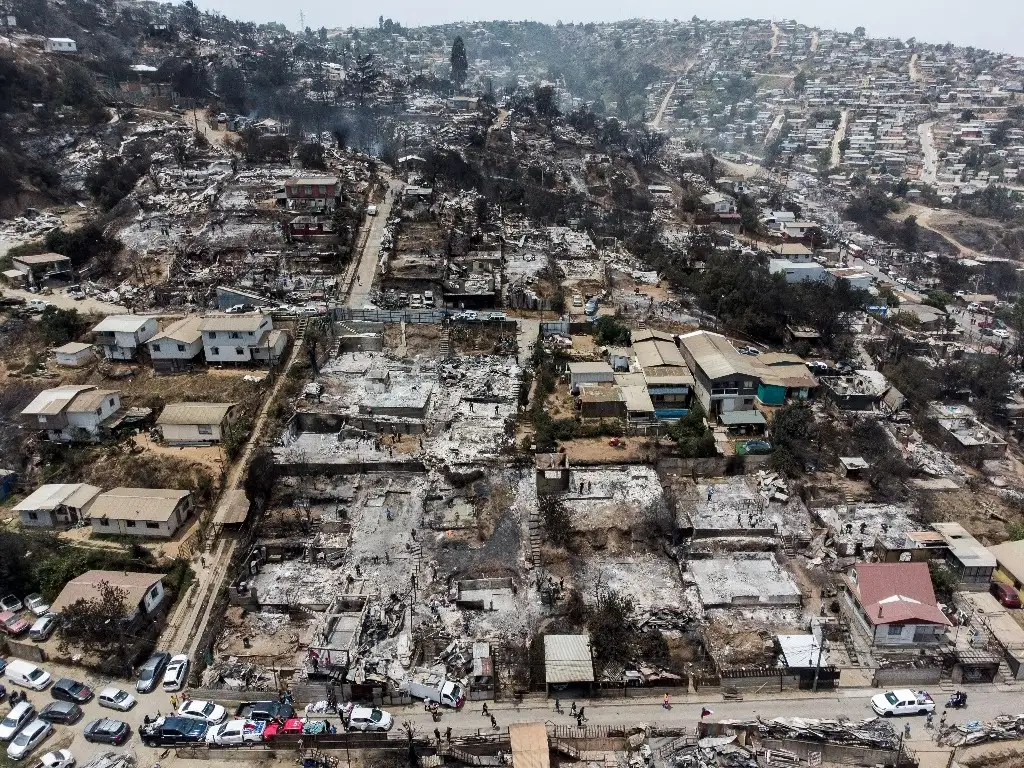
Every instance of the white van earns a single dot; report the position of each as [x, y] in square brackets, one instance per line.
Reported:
[28, 675]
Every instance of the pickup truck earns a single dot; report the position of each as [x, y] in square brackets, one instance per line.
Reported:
[902, 702]
[432, 687]
[264, 710]
[168, 731]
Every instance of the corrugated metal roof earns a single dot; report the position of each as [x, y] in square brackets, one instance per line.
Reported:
[241, 322]
[655, 353]
[150, 504]
[88, 402]
[122, 324]
[591, 368]
[52, 495]
[714, 354]
[529, 743]
[567, 659]
[740, 418]
[637, 400]
[73, 348]
[194, 413]
[186, 331]
[55, 400]
[41, 258]
[86, 587]
[233, 509]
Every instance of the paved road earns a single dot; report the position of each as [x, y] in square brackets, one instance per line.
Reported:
[63, 301]
[359, 295]
[656, 122]
[837, 139]
[985, 703]
[929, 168]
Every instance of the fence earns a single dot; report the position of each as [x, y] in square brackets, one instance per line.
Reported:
[610, 690]
[890, 676]
[834, 753]
[26, 651]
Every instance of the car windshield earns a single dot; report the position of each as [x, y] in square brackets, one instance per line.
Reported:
[9, 722]
[376, 715]
[119, 696]
[891, 698]
[22, 738]
[35, 674]
[208, 709]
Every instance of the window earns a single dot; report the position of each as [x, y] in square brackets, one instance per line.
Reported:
[211, 334]
[205, 429]
[156, 347]
[111, 402]
[895, 630]
[129, 523]
[33, 516]
[154, 592]
[181, 347]
[152, 525]
[323, 190]
[235, 335]
[214, 350]
[104, 522]
[42, 419]
[239, 350]
[747, 383]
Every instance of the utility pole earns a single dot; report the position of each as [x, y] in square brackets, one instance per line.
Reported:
[820, 638]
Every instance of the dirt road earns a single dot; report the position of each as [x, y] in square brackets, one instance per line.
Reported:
[775, 38]
[199, 120]
[929, 218]
[87, 306]
[840, 135]
[912, 71]
[359, 291]
[930, 167]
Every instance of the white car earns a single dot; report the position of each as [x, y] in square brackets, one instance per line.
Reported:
[177, 670]
[31, 736]
[371, 210]
[114, 698]
[43, 628]
[37, 604]
[19, 716]
[235, 732]
[1002, 333]
[204, 710]
[367, 719]
[37, 305]
[60, 758]
[902, 702]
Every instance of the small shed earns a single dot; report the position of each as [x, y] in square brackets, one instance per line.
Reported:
[74, 354]
[568, 662]
[743, 422]
[529, 742]
[590, 373]
[852, 466]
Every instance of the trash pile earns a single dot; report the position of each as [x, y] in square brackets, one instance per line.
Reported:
[667, 617]
[873, 732]
[238, 676]
[1003, 728]
[772, 486]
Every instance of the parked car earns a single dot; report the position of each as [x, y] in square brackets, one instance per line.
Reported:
[177, 669]
[902, 702]
[167, 731]
[37, 305]
[43, 628]
[3, 665]
[64, 712]
[204, 710]
[37, 604]
[369, 719]
[59, 758]
[1005, 594]
[12, 624]
[235, 732]
[30, 737]
[11, 603]
[107, 730]
[152, 671]
[265, 710]
[67, 689]
[114, 698]
[28, 675]
[20, 715]
[428, 299]
[238, 309]
[1001, 333]
[468, 314]
[371, 210]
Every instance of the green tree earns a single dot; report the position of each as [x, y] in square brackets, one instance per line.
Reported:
[459, 62]
[909, 234]
[610, 332]
[800, 82]
[97, 627]
[59, 326]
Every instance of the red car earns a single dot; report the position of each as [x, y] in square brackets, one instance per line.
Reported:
[290, 727]
[1005, 594]
[13, 624]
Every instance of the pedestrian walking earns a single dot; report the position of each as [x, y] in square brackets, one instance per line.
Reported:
[942, 720]
[448, 734]
[906, 730]
[579, 721]
[583, 717]
[174, 701]
[558, 706]
[572, 711]
[665, 703]
[437, 735]
[494, 723]
[484, 710]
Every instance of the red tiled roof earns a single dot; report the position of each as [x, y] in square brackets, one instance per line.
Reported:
[894, 593]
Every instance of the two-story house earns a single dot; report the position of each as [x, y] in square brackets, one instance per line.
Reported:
[242, 338]
[73, 413]
[121, 336]
[178, 347]
[724, 380]
[313, 193]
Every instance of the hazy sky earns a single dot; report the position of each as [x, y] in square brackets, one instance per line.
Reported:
[993, 24]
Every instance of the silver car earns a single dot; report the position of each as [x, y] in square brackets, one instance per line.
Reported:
[31, 736]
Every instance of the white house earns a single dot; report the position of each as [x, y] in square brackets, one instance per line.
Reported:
[590, 373]
[195, 423]
[74, 354]
[241, 338]
[122, 335]
[151, 512]
[143, 592]
[60, 45]
[795, 271]
[717, 203]
[56, 504]
[177, 347]
[73, 413]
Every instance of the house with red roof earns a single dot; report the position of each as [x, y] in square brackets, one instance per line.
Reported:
[895, 604]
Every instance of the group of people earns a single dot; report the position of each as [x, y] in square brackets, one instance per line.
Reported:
[579, 714]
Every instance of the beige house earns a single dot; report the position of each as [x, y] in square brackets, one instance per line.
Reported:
[143, 592]
[196, 423]
[150, 512]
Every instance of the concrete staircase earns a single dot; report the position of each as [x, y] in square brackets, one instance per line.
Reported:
[535, 526]
[446, 343]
